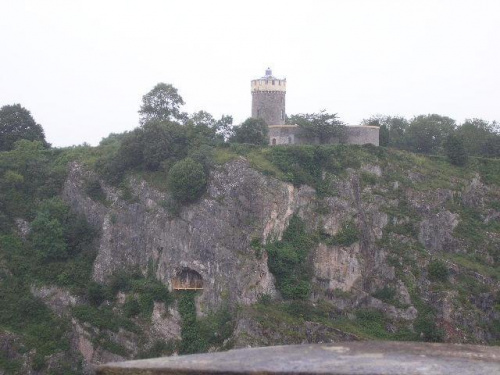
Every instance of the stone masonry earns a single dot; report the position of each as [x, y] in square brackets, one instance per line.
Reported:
[268, 103]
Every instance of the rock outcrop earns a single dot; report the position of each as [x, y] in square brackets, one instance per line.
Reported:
[400, 229]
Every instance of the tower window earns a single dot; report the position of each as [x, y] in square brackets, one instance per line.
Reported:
[274, 142]
[282, 115]
[289, 139]
[273, 82]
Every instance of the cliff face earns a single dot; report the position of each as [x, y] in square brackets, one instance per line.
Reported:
[402, 225]
[211, 237]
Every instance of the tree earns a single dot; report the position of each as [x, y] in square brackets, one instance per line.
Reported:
[202, 118]
[162, 103]
[426, 133]
[129, 154]
[187, 180]
[480, 137]
[320, 126]
[455, 150]
[16, 123]
[252, 130]
[47, 238]
[201, 129]
[163, 140]
[392, 129]
[224, 127]
[491, 147]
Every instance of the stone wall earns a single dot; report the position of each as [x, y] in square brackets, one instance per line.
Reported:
[291, 134]
[269, 106]
[360, 135]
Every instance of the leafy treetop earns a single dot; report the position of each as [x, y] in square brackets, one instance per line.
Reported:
[16, 123]
[252, 131]
[162, 103]
[321, 126]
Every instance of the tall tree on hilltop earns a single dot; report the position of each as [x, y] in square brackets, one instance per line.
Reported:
[426, 133]
[480, 137]
[162, 103]
[16, 123]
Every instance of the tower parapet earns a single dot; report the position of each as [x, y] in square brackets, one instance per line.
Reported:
[268, 99]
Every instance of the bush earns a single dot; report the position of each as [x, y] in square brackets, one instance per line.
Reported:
[288, 261]
[161, 141]
[103, 318]
[438, 271]
[386, 294]
[94, 190]
[254, 131]
[347, 235]
[187, 180]
[372, 322]
[199, 335]
[47, 238]
[426, 327]
[96, 293]
[192, 340]
[131, 308]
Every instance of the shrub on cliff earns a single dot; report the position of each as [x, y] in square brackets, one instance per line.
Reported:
[287, 261]
[187, 180]
[438, 271]
[47, 238]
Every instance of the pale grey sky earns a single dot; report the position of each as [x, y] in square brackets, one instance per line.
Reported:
[81, 67]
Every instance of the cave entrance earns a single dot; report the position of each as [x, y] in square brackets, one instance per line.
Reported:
[187, 279]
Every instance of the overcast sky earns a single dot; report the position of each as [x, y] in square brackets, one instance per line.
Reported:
[81, 67]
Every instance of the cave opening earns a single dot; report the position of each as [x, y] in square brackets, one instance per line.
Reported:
[187, 279]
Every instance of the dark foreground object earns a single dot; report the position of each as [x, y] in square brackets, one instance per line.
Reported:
[374, 358]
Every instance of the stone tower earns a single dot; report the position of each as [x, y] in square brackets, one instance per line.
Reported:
[268, 99]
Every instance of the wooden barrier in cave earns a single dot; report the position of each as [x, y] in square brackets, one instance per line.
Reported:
[187, 279]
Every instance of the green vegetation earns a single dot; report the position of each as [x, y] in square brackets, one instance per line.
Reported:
[192, 341]
[286, 321]
[94, 190]
[438, 271]
[253, 131]
[103, 318]
[455, 150]
[199, 335]
[385, 294]
[320, 126]
[187, 180]
[16, 123]
[431, 134]
[347, 235]
[175, 152]
[288, 260]
[144, 291]
[26, 315]
[162, 103]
